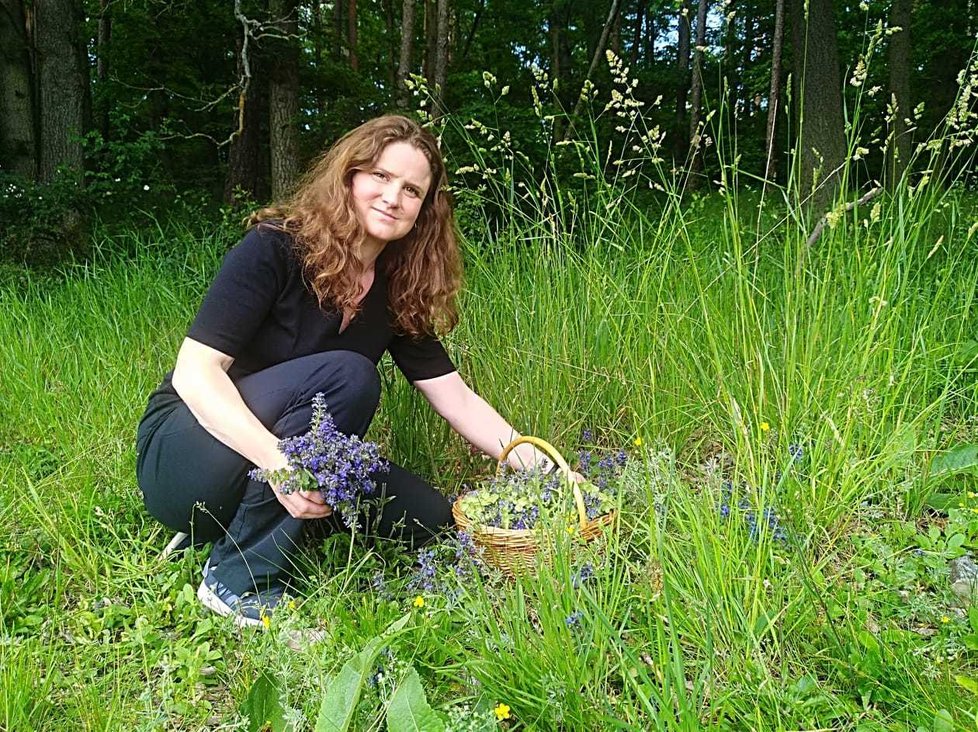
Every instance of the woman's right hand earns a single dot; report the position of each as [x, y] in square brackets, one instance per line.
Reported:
[303, 504]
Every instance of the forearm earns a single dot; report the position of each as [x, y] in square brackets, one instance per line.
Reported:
[216, 404]
[484, 428]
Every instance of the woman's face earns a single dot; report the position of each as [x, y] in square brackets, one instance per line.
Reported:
[387, 195]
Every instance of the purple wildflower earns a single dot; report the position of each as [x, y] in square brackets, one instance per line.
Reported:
[427, 571]
[582, 575]
[339, 465]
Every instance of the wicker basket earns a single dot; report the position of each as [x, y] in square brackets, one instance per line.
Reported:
[514, 550]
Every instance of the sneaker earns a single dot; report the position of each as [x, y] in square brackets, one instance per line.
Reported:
[248, 610]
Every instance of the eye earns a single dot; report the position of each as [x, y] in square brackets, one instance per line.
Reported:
[379, 175]
[412, 191]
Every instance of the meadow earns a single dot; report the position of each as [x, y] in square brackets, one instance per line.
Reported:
[800, 421]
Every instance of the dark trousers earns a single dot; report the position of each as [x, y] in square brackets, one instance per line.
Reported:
[192, 482]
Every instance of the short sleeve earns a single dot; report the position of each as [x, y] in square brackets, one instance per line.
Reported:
[243, 292]
[420, 358]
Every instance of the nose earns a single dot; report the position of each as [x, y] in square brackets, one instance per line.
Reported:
[391, 195]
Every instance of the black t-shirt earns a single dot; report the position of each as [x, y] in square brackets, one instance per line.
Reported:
[259, 311]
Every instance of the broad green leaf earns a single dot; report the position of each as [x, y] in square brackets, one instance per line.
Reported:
[409, 710]
[263, 707]
[970, 642]
[343, 689]
[955, 460]
[968, 683]
[943, 721]
[941, 501]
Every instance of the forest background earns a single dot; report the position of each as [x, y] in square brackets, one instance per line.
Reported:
[112, 107]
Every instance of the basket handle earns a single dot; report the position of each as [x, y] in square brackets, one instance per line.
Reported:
[558, 459]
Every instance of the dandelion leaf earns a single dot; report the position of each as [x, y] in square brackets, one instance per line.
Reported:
[409, 710]
[263, 707]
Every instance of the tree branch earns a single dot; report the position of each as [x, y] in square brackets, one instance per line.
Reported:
[820, 226]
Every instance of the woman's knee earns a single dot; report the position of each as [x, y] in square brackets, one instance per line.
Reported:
[351, 385]
[359, 378]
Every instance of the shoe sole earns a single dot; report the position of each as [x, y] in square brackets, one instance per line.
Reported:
[174, 543]
[213, 603]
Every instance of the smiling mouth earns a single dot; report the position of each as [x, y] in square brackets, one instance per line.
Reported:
[386, 215]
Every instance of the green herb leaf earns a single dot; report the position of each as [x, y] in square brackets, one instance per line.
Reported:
[409, 710]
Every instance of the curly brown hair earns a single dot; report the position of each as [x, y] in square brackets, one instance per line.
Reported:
[424, 269]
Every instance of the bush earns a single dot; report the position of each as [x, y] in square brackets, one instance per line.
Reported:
[42, 223]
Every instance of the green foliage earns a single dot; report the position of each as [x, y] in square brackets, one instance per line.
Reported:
[263, 706]
[409, 711]
[42, 223]
[960, 458]
[342, 691]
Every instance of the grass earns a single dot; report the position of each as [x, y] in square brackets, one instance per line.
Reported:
[706, 329]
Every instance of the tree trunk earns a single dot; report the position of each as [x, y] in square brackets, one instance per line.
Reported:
[393, 48]
[318, 36]
[650, 31]
[102, 62]
[339, 31]
[774, 95]
[351, 24]
[752, 100]
[248, 162]
[682, 83]
[821, 130]
[637, 34]
[18, 152]
[899, 62]
[431, 42]
[614, 37]
[441, 58]
[407, 52]
[472, 31]
[283, 98]
[62, 83]
[598, 52]
[696, 94]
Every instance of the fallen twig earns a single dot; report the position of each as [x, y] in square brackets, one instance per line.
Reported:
[820, 226]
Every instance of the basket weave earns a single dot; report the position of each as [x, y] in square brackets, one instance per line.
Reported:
[514, 550]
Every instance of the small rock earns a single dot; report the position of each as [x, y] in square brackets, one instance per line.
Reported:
[299, 639]
[964, 577]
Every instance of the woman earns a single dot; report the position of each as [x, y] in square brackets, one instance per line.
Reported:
[361, 260]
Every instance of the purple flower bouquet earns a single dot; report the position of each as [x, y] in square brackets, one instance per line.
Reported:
[339, 466]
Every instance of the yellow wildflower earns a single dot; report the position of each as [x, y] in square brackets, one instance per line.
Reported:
[266, 621]
[571, 529]
[419, 601]
[291, 605]
[765, 427]
[502, 711]
[638, 442]
[945, 619]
